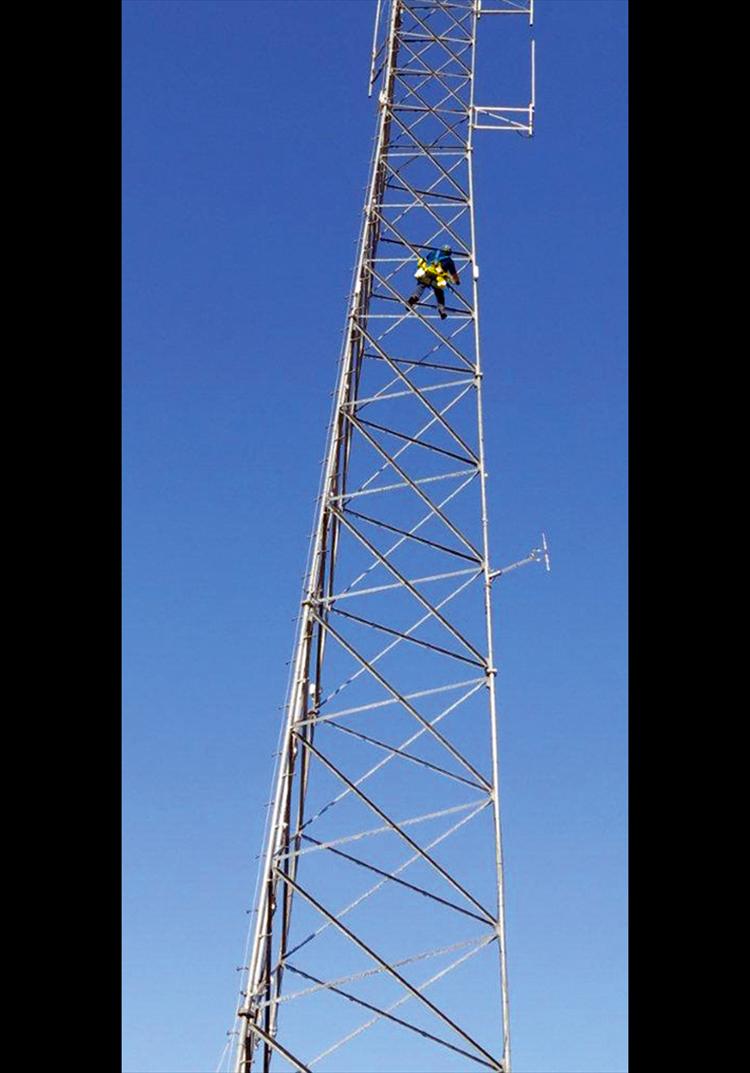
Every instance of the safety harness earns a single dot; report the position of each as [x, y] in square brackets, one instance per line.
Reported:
[433, 269]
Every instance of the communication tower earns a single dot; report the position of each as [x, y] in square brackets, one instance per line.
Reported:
[378, 934]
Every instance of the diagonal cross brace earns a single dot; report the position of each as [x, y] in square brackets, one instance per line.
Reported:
[494, 1063]
[402, 700]
[489, 919]
[342, 517]
[418, 491]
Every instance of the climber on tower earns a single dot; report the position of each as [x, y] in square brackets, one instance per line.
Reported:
[434, 271]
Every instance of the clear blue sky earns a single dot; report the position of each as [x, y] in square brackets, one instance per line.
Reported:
[246, 140]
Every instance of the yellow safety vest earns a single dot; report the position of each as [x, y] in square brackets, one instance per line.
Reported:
[432, 269]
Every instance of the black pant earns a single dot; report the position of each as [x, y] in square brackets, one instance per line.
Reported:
[421, 284]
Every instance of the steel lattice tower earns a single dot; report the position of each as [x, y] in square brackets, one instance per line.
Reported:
[380, 904]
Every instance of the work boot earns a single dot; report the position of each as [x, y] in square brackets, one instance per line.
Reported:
[411, 301]
[442, 313]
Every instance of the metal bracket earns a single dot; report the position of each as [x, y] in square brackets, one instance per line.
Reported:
[512, 7]
[501, 117]
[536, 555]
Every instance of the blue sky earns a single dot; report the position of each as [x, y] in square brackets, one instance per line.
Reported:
[246, 140]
